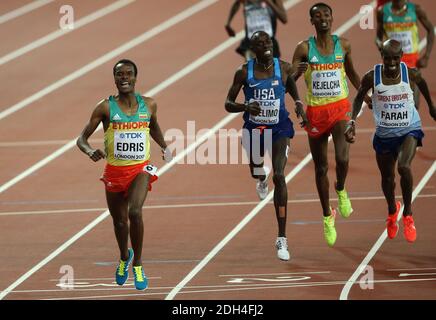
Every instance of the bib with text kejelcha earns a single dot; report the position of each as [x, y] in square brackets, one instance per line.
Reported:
[393, 110]
[326, 83]
[405, 38]
[258, 19]
[129, 145]
[269, 105]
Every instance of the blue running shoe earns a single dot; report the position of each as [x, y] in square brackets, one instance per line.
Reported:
[122, 273]
[141, 282]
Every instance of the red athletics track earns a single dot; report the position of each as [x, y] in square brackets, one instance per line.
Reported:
[192, 207]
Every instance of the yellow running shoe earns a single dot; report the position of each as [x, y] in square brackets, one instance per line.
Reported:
[344, 204]
[329, 228]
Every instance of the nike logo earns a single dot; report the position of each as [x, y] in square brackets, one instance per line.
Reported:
[381, 92]
[253, 85]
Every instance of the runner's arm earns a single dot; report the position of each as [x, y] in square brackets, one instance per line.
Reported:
[422, 17]
[349, 67]
[380, 33]
[291, 88]
[365, 86]
[100, 114]
[155, 131]
[416, 77]
[300, 60]
[279, 9]
[231, 105]
[233, 10]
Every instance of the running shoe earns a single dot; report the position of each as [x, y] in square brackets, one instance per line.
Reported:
[122, 273]
[141, 282]
[409, 228]
[392, 223]
[262, 186]
[282, 248]
[329, 228]
[344, 203]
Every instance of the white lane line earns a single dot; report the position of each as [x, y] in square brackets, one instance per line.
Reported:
[59, 33]
[23, 10]
[203, 4]
[191, 205]
[346, 289]
[411, 269]
[272, 274]
[246, 287]
[416, 274]
[105, 214]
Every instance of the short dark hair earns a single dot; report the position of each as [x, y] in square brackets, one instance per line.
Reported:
[320, 4]
[127, 61]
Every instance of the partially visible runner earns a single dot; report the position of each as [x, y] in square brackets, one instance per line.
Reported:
[325, 60]
[399, 20]
[259, 15]
[265, 81]
[398, 129]
[381, 3]
[129, 120]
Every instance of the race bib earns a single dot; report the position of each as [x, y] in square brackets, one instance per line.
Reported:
[405, 37]
[269, 114]
[394, 115]
[130, 145]
[326, 83]
[150, 169]
[258, 20]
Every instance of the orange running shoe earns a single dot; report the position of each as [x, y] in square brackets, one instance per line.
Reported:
[391, 222]
[409, 228]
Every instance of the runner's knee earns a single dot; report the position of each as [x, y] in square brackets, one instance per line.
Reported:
[321, 170]
[404, 169]
[135, 213]
[120, 223]
[279, 179]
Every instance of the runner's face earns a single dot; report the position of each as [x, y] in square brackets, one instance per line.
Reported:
[322, 18]
[262, 47]
[391, 61]
[125, 78]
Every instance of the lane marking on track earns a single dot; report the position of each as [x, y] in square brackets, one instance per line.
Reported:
[346, 289]
[192, 205]
[23, 10]
[196, 64]
[201, 5]
[342, 29]
[59, 33]
[235, 287]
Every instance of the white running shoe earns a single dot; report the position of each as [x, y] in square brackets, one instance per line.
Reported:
[282, 248]
[262, 186]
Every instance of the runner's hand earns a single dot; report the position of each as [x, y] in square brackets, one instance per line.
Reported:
[350, 131]
[253, 108]
[96, 155]
[166, 154]
[422, 62]
[299, 111]
[230, 31]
